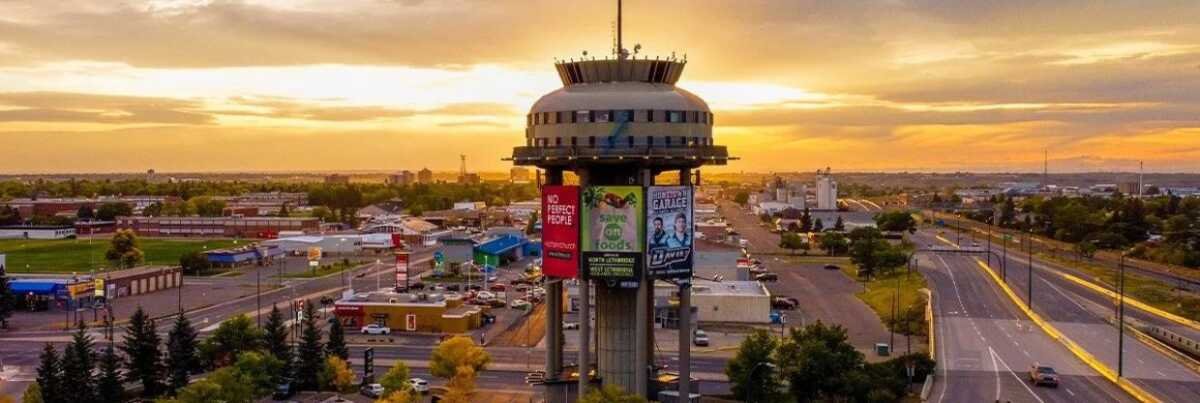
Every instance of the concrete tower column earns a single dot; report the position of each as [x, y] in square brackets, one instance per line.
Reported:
[685, 320]
[616, 339]
[554, 293]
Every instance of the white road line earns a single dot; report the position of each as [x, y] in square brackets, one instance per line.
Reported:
[1060, 292]
[1069, 392]
[1014, 374]
[996, 368]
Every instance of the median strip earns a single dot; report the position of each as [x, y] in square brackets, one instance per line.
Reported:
[1133, 390]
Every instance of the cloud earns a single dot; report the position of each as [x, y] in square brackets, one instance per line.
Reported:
[98, 108]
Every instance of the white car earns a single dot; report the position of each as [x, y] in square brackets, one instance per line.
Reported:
[373, 390]
[538, 291]
[375, 328]
[485, 296]
[419, 385]
[519, 304]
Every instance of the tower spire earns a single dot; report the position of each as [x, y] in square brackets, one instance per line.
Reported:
[620, 45]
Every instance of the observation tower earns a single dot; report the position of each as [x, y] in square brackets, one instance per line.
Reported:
[617, 121]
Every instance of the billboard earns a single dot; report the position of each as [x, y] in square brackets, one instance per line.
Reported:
[560, 231]
[314, 253]
[612, 220]
[402, 270]
[669, 246]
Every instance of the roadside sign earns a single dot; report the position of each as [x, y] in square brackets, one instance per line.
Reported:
[313, 263]
[314, 253]
[99, 287]
[369, 365]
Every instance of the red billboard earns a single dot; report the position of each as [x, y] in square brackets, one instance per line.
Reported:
[402, 270]
[560, 231]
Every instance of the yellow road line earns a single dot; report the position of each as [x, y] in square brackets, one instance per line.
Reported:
[1087, 358]
[1135, 303]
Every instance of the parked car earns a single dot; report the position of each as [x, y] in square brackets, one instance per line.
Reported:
[782, 303]
[700, 338]
[419, 385]
[283, 390]
[416, 286]
[520, 304]
[1043, 375]
[375, 328]
[373, 390]
[485, 295]
[832, 267]
[439, 287]
[475, 287]
[767, 277]
[570, 325]
[497, 287]
[454, 287]
[495, 303]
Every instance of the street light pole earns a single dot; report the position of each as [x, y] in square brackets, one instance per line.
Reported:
[1004, 251]
[1121, 320]
[1029, 287]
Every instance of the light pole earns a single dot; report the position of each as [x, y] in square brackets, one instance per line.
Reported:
[1004, 259]
[1029, 287]
[258, 284]
[750, 380]
[1121, 319]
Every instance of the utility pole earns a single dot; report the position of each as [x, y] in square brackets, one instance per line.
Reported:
[1029, 287]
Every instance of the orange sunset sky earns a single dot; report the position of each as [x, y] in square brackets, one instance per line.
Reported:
[275, 85]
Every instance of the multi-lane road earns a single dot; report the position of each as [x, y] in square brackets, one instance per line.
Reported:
[991, 322]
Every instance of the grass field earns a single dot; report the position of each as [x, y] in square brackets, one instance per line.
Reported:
[882, 289]
[79, 255]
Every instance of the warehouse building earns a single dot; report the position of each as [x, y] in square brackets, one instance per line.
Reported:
[231, 227]
[37, 232]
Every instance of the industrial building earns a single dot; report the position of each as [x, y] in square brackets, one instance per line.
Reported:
[37, 232]
[231, 227]
[405, 312]
[244, 255]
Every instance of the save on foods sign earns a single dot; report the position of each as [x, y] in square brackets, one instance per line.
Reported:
[613, 224]
[560, 231]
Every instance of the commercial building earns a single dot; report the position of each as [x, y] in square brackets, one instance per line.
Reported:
[523, 209]
[402, 178]
[69, 206]
[728, 301]
[241, 227]
[405, 312]
[44, 293]
[244, 255]
[500, 250]
[37, 232]
[414, 231]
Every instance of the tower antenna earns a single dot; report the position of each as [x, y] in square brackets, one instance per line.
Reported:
[620, 45]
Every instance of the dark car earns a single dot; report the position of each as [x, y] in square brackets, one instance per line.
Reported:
[283, 390]
[1043, 375]
[782, 303]
[416, 286]
[832, 267]
[475, 287]
[453, 287]
[767, 277]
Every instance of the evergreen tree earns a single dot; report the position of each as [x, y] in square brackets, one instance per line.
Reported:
[818, 225]
[310, 358]
[49, 376]
[182, 360]
[33, 394]
[336, 346]
[7, 300]
[78, 361]
[109, 388]
[276, 341]
[839, 225]
[141, 345]
[806, 223]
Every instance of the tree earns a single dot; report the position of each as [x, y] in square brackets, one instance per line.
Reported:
[310, 353]
[1086, 249]
[896, 221]
[818, 225]
[9, 216]
[806, 223]
[8, 301]
[872, 254]
[283, 211]
[207, 207]
[461, 385]
[50, 377]
[457, 351]
[33, 394]
[85, 212]
[124, 250]
[610, 394]
[194, 262]
[223, 385]
[834, 243]
[741, 198]
[144, 357]
[112, 210]
[232, 337]
[182, 360]
[399, 397]
[336, 375]
[275, 339]
[793, 227]
[153, 210]
[78, 361]
[820, 363]
[258, 370]
[839, 225]
[792, 241]
[751, 378]
[531, 226]
[336, 346]
[109, 387]
[396, 379]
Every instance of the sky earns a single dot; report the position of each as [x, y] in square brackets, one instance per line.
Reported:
[795, 85]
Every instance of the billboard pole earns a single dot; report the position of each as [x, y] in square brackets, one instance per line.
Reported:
[554, 292]
[585, 306]
[685, 315]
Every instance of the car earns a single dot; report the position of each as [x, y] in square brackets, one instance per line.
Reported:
[570, 325]
[416, 286]
[485, 295]
[419, 385]
[439, 287]
[767, 277]
[454, 287]
[283, 390]
[375, 328]
[497, 287]
[492, 278]
[475, 287]
[782, 303]
[495, 303]
[520, 304]
[832, 267]
[1043, 375]
[373, 390]
[976, 245]
[700, 338]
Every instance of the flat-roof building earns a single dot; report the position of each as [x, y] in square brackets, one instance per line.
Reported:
[409, 312]
[242, 227]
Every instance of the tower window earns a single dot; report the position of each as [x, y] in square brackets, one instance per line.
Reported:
[573, 141]
[558, 118]
[629, 139]
[674, 117]
[649, 115]
[592, 141]
[650, 141]
[584, 116]
[558, 141]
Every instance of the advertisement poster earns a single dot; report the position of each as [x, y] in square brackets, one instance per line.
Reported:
[669, 231]
[613, 225]
[402, 270]
[560, 231]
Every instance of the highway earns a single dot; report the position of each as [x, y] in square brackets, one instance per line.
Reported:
[1087, 318]
[985, 345]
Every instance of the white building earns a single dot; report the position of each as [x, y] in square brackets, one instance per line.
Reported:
[523, 209]
[827, 192]
[37, 232]
[470, 205]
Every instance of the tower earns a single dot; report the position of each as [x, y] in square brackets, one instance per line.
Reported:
[617, 121]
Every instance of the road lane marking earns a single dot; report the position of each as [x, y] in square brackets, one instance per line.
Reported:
[1014, 374]
[1069, 392]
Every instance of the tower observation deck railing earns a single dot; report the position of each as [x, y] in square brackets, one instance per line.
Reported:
[676, 155]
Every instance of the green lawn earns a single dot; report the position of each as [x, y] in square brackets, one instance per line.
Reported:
[882, 289]
[79, 255]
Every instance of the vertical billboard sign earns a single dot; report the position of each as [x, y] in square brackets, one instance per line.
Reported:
[613, 225]
[402, 270]
[560, 231]
[669, 247]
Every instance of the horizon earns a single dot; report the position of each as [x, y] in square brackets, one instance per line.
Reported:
[283, 86]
